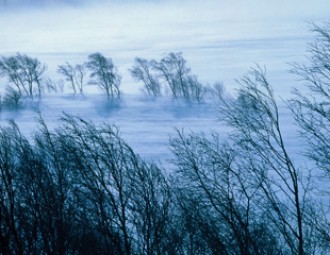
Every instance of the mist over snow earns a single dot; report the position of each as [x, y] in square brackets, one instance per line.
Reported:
[220, 40]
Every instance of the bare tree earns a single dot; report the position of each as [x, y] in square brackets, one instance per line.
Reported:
[80, 73]
[231, 186]
[9, 67]
[169, 74]
[67, 71]
[10, 238]
[255, 117]
[32, 70]
[80, 189]
[196, 89]
[311, 111]
[104, 74]
[143, 71]
[215, 91]
[51, 85]
[128, 199]
[152, 209]
[218, 202]
[173, 70]
[74, 75]
[24, 72]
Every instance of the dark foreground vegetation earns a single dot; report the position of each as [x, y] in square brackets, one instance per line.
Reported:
[81, 189]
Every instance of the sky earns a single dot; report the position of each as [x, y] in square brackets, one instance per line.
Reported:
[221, 40]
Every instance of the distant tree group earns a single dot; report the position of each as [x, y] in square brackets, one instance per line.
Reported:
[102, 73]
[24, 75]
[169, 74]
[26, 78]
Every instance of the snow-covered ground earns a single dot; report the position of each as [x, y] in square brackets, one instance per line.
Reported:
[146, 124]
[219, 39]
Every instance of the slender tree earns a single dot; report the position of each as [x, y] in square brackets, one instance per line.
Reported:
[74, 75]
[143, 71]
[24, 72]
[255, 117]
[311, 111]
[104, 74]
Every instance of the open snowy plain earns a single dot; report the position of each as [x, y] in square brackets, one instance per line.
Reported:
[220, 40]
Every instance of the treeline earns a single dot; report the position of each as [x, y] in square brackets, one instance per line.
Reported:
[25, 78]
[81, 189]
